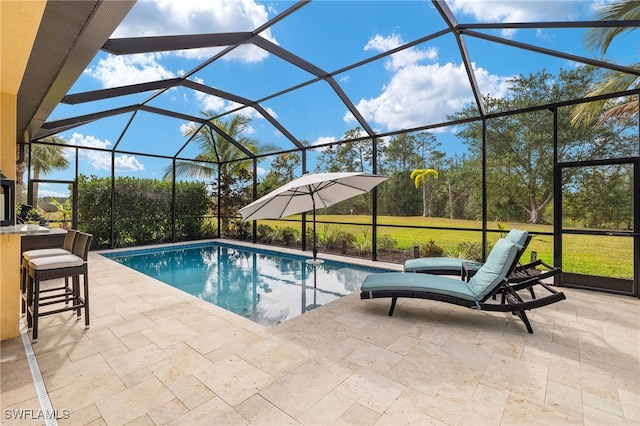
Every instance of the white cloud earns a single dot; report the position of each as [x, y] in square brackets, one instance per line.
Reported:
[114, 71]
[517, 10]
[184, 127]
[44, 192]
[219, 105]
[126, 162]
[210, 103]
[404, 57]
[419, 94]
[172, 17]
[248, 131]
[102, 160]
[323, 140]
[422, 94]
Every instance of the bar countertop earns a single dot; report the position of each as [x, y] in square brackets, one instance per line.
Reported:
[29, 230]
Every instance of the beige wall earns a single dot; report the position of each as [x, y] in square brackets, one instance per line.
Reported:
[19, 21]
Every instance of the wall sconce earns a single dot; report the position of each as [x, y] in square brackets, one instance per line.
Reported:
[7, 201]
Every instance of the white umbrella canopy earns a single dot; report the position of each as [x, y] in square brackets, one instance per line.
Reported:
[310, 192]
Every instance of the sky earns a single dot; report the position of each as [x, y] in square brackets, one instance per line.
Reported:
[418, 86]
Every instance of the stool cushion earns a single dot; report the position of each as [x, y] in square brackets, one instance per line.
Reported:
[55, 262]
[33, 254]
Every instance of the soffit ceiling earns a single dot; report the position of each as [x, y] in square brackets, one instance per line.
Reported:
[70, 34]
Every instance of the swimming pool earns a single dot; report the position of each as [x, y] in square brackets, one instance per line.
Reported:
[265, 286]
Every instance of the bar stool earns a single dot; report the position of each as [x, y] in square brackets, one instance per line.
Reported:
[53, 267]
[67, 248]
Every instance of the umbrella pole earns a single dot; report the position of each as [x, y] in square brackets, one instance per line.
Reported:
[315, 262]
[315, 242]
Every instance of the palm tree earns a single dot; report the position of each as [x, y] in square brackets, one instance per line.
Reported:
[217, 152]
[46, 158]
[600, 38]
[419, 177]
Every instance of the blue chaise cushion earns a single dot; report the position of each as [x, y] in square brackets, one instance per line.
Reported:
[439, 265]
[517, 237]
[401, 281]
[495, 269]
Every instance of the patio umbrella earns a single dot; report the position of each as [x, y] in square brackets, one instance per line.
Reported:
[308, 193]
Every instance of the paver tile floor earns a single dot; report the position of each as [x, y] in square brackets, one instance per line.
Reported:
[156, 355]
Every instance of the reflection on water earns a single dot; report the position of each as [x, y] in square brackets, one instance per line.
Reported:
[262, 286]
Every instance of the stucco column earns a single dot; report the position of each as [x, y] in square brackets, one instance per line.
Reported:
[19, 22]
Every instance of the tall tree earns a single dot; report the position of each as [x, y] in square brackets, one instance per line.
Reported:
[462, 179]
[283, 170]
[349, 156]
[45, 158]
[600, 197]
[600, 38]
[397, 158]
[354, 156]
[407, 151]
[520, 147]
[217, 152]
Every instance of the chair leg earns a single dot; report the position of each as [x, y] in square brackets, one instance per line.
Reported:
[533, 293]
[525, 320]
[393, 305]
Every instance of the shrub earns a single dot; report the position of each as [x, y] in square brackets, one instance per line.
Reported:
[466, 250]
[239, 230]
[278, 235]
[335, 239]
[209, 228]
[263, 232]
[289, 235]
[363, 247]
[386, 242]
[142, 210]
[431, 249]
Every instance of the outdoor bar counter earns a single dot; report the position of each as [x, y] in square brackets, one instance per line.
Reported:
[15, 240]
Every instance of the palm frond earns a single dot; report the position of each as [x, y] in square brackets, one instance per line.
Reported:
[600, 38]
[612, 81]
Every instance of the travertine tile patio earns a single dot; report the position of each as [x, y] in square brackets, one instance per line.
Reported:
[155, 355]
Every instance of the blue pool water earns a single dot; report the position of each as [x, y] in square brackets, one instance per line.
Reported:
[264, 286]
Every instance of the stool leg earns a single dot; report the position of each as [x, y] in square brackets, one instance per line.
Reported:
[76, 296]
[66, 286]
[36, 303]
[29, 301]
[23, 291]
[86, 300]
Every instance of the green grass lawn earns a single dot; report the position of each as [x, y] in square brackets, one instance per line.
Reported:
[584, 254]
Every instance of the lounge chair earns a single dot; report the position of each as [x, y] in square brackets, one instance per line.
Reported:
[456, 266]
[453, 265]
[490, 280]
